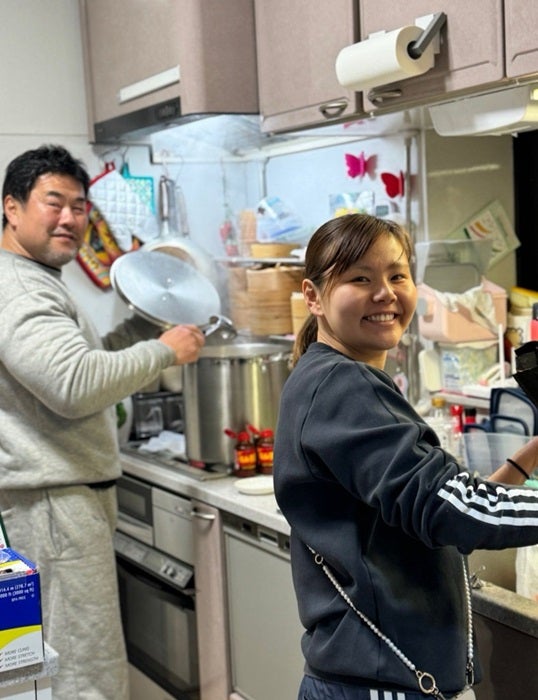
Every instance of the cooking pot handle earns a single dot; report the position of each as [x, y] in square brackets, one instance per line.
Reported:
[216, 323]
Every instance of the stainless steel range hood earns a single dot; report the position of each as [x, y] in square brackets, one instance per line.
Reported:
[143, 122]
[505, 111]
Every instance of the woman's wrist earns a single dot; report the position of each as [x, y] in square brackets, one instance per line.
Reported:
[519, 468]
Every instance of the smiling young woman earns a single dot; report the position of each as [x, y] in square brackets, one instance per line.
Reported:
[366, 486]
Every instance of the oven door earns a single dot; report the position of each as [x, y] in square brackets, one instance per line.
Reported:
[160, 629]
[135, 509]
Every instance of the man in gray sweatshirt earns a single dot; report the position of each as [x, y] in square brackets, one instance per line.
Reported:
[59, 384]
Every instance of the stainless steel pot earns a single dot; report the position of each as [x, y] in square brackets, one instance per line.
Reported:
[231, 385]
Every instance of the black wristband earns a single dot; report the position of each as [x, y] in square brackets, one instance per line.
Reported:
[516, 466]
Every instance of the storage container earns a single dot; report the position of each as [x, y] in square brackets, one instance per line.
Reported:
[454, 322]
[464, 363]
[299, 311]
[485, 452]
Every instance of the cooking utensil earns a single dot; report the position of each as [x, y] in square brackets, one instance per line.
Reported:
[173, 216]
[235, 382]
[164, 289]
[172, 377]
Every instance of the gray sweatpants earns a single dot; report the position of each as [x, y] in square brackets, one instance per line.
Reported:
[68, 531]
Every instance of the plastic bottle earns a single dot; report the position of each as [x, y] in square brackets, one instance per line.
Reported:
[469, 416]
[456, 437]
[534, 323]
[439, 419]
[264, 450]
[244, 456]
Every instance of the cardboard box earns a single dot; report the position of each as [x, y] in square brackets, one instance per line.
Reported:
[21, 630]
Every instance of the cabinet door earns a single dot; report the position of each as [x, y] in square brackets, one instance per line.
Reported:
[211, 612]
[125, 43]
[297, 45]
[471, 54]
[521, 45]
[210, 45]
[265, 632]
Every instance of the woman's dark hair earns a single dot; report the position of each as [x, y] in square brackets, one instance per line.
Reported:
[336, 246]
[24, 170]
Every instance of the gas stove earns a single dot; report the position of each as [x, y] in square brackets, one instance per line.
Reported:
[177, 463]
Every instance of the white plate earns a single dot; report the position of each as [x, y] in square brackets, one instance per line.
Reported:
[255, 485]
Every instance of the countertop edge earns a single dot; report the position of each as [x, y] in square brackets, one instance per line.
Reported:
[48, 667]
[506, 607]
[220, 493]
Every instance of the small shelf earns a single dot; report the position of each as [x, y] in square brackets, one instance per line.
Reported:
[464, 400]
[239, 260]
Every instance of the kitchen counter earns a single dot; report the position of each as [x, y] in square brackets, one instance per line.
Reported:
[220, 493]
[490, 601]
[507, 608]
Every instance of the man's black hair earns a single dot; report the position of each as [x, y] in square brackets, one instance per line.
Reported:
[24, 170]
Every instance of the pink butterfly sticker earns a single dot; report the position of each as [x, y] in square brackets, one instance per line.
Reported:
[394, 184]
[359, 166]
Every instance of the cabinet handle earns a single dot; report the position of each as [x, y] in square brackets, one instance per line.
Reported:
[202, 516]
[379, 97]
[330, 110]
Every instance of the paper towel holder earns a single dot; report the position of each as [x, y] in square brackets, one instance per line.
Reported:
[432, 25]
[404, 52]
[431, 31]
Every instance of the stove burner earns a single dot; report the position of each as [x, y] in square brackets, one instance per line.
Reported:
[178, 464]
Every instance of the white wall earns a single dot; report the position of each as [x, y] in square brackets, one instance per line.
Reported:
[43, 101]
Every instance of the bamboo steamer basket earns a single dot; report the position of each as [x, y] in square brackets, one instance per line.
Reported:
[280, 278]
[269, 318]
[269, 292]
[271, 250]
[238, 297]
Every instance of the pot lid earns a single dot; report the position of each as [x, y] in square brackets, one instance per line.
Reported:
[164, 289]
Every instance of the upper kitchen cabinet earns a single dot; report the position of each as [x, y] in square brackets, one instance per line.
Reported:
[297, 44]
[521, 48]
[471, 48]
[148, 65]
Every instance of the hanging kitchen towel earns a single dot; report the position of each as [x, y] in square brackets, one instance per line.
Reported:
[143, 186]
[126, 214]
[99, 249]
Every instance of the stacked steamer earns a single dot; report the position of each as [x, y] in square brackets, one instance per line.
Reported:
[269, 292]
[238, 296]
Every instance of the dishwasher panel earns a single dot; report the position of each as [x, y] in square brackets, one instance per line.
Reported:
[264, 628]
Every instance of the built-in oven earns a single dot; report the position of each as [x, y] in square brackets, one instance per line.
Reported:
[154, 556]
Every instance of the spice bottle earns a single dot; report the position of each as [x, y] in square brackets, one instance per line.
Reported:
[439, 420]
[244, 456]
[264, 449]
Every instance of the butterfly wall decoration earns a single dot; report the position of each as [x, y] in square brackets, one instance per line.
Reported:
[359, 166]
[394, 184]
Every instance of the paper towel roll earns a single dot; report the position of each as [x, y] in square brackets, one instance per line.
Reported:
[381, 59]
